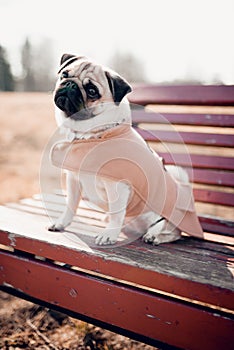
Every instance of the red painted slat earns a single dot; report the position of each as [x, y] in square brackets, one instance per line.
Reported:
[193, 138]
[121, 269]
[214, 197]
[211, 177]
[198, 161]
[214, 225]
[119, 305]
[140, 116]
[219, 95]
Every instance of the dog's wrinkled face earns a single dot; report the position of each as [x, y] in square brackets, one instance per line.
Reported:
[84, 87]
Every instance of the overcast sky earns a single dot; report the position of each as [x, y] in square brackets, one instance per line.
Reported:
[170, 37]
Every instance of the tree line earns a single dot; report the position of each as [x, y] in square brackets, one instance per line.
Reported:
[37, 68]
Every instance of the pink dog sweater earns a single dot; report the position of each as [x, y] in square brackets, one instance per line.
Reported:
[121, 154]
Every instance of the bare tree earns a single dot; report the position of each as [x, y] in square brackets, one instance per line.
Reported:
[6, 77]
[43, 66]
[28, 79]
[37, 64]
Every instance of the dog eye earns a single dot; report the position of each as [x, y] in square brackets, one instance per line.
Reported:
[92, 91]
[64, 74]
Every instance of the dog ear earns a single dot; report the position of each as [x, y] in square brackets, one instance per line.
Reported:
[119, 87]
[65, 57]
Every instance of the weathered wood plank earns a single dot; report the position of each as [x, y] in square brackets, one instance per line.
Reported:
[84, 210]
[215, 197]
[198, 161]
[217, 225]
[219, 95]
[190, 138]
[96, 218]
[194, 276]
[219, 120]
[115, 304]
[211, 177]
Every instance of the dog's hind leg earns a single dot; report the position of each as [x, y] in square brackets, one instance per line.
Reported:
[162, 232]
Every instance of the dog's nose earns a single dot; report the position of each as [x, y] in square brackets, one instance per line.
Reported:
[70, 84]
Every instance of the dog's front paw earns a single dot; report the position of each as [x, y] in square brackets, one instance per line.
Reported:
[109, 236]
[56, 228]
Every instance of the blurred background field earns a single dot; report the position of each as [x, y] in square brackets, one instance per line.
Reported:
[26, 123]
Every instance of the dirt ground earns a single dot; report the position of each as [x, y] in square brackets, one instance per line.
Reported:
[26, 124]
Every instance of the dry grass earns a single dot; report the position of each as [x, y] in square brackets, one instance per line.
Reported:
[26, 122]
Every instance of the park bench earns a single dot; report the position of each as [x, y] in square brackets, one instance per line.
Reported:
[178, 295]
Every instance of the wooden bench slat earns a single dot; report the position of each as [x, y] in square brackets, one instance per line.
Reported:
[219, 95]
[152, 277]
[31, 206]
[216, 120]
[211, 177]
[215, 197]
[198, 161]
[75, 291]
[155, 272]
[191, 138]
[157, 267]
[217, 225]
[209, 224]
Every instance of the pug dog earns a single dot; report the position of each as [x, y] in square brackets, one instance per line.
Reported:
[108, 163]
